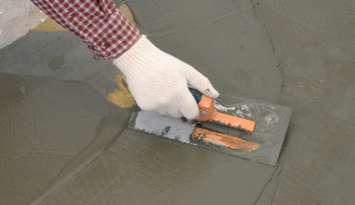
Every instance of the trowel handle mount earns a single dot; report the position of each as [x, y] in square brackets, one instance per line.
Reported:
[205, 104]
[209, 113]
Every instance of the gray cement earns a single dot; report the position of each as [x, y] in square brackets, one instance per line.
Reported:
[296, 53]
[49, 129]
[145, 169]
[58, 55]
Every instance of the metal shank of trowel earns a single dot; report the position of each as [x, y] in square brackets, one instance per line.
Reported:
[208, 112]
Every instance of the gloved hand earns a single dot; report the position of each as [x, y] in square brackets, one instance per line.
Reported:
[159, 82]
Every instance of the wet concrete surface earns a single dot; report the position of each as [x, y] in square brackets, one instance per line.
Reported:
[58, 55]
[296, 53]
[144, 169]
[46, 127]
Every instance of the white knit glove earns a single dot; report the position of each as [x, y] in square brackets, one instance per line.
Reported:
[159, 82]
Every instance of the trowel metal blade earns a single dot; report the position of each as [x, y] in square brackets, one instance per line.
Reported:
[161, 125]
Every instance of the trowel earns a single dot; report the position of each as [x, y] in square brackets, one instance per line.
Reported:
[249, 129]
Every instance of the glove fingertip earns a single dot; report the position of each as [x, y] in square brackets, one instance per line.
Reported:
[211, 91]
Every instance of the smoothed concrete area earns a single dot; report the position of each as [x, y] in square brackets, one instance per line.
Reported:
[144, 169]
[62, 143]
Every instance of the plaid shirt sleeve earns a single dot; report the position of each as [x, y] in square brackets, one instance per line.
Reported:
[98, 23]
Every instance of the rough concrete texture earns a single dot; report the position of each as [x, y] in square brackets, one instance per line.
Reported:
[296, 53]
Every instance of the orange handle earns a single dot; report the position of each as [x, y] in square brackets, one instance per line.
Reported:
[209, 113]
[234, 121]
[223, 140]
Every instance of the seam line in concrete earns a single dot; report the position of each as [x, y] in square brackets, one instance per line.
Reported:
[272, 44]
[283, 85]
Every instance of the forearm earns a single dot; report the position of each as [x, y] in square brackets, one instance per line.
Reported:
[107, 33]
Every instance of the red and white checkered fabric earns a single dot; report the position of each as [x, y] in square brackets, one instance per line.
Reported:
[98, 23]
